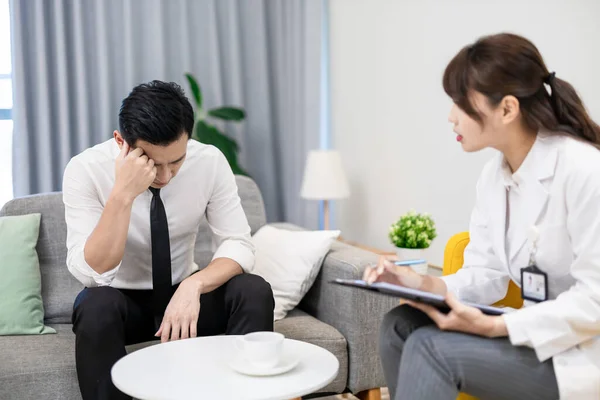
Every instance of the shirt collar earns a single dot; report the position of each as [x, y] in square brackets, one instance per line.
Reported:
[508, 178]
[514, 180]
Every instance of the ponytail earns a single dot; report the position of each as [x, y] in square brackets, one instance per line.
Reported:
[570, 112]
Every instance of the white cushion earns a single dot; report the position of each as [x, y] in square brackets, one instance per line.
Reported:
[290, 261]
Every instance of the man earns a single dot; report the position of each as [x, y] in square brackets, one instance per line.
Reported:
[133, 205]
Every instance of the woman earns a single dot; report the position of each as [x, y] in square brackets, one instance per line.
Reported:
[537, 216]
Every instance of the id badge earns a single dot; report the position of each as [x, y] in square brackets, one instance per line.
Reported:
[534, 284]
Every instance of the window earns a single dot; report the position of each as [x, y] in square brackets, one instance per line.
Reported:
[6, 103]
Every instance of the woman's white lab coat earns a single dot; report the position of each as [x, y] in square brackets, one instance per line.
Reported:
[560, 194]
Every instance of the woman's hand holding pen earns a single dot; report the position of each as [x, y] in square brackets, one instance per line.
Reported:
[387, 271]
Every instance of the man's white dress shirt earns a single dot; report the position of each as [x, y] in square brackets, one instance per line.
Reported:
[204, 186]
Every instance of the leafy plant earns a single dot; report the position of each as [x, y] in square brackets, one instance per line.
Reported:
[209, 134]
[413, 231]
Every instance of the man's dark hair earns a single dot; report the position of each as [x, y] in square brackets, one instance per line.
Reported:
[156, 112]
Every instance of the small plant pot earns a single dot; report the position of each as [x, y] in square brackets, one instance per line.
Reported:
[413, 254]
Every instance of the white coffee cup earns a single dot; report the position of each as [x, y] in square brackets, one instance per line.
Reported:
[262, 349]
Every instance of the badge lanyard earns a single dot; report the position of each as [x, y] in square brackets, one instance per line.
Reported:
[534, 281]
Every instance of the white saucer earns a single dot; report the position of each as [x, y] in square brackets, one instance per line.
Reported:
[243, 366]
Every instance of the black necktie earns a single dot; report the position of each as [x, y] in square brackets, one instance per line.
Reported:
[161, 257]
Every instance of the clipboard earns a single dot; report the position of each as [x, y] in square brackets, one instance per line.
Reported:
[412, 294]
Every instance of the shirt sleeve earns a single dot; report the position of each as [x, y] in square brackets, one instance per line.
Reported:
[483, 279]
[83, 209]
[227, 219]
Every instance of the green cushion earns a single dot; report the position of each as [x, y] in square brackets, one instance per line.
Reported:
[21, 307]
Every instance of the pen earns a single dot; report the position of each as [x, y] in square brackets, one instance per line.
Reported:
[409, 262]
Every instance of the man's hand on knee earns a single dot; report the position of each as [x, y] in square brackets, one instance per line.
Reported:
[181, 315]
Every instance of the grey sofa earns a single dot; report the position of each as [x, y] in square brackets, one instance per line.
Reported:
[341, 320]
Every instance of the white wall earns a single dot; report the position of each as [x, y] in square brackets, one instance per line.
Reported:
[390, 111]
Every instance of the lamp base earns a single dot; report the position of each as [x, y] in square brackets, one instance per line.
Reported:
[326, 215]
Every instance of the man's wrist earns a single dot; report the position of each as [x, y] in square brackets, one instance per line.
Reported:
[120, 197]
[196, 282]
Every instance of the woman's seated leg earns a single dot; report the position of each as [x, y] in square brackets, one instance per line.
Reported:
[396, 327]
[437, 365]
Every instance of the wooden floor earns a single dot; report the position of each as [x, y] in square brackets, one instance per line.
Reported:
[384, 396]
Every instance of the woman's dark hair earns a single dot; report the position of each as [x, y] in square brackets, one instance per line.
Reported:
[156, 112]
[508, 64]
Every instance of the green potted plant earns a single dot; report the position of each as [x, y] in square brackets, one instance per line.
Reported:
[209, 134]
[411, 234]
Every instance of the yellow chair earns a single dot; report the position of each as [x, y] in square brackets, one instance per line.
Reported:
[453, 261]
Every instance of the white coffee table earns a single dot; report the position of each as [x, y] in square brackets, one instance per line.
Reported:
[199, 369]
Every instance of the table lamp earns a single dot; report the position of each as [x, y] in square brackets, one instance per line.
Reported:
[324, 179]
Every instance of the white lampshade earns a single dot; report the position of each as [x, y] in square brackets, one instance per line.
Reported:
[324, 177]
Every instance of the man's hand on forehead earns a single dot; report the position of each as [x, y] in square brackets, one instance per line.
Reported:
[134, 172]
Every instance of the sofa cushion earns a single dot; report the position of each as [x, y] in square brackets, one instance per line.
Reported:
[22, 355]
[59, 287]
[290, 261]
[37, 354]
[32, 365]
[21, 308]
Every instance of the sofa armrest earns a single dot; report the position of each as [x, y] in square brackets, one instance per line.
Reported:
[356, 314]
